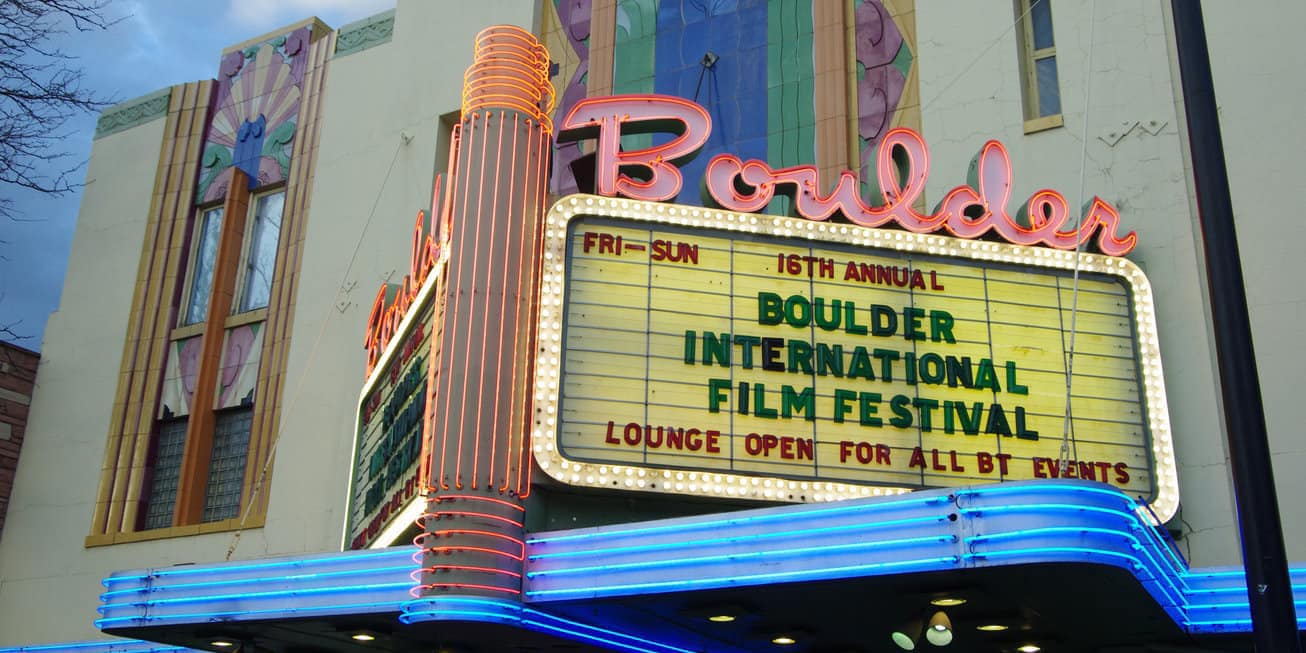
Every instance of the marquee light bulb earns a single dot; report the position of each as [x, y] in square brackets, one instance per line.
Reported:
[820, 232]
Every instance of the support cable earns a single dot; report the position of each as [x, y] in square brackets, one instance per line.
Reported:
[1068, 425]
[257, 488]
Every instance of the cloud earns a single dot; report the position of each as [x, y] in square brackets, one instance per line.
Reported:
[260, 15]
[139, 16]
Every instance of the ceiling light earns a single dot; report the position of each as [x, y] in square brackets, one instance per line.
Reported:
[939, 632]
[362, 636]
[947, 601]
[721, 613]
[991, 628]
[903, 640]
[222, 643]
[907, 636]
[783, 640]
[1029, 648]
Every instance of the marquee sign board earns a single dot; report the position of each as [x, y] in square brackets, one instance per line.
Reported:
[387, 483]
[716, 353]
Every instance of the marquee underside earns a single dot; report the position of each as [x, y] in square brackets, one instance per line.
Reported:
[1047, 558]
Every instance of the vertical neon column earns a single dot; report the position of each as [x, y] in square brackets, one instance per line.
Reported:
[480, 404]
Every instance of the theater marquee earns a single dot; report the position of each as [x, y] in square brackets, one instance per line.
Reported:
[690, 350]
[387, 486]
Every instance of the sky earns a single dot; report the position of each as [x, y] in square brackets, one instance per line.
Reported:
[155, 43]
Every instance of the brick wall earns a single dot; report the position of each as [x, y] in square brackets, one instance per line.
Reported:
[17, 378]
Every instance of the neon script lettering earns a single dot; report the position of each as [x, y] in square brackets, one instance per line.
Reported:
[393, 300]
[902, 165]
[643, 114]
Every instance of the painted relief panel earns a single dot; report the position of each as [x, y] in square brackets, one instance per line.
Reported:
[566, 33]
[239, 372]
[752, 64]
[179, 376]
[258, 102]
[711, 51]
[888, 91]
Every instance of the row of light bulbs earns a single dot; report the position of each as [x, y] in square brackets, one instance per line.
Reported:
[552, 292]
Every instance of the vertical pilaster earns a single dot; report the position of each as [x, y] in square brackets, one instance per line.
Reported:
[281, 305]
[829, 58]
[158, 281]
[199, 431]
[603, 35]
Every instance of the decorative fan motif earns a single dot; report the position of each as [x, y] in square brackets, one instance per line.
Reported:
[264, 89]
[884, 61]
[257, 111]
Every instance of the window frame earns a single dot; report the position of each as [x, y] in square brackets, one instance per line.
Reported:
[244, 412]
[183, 329]
[1029, 58]
[203, 420]
[164, 281]
[149, 496]
[239, 314]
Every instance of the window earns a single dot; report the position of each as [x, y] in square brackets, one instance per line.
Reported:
[227, 465]
[199, 455]
[187, 439]
[169, 446]
[261, 256]
[226, 474]
[201, 273]
[1038, 64]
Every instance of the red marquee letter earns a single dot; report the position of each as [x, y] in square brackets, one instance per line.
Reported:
[604, 118]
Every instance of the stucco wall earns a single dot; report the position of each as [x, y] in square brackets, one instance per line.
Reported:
[1256, 66]
[1136, 157]
[48, 582]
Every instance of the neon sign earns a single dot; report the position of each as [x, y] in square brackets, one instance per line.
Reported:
[393, 300]
[902, 165]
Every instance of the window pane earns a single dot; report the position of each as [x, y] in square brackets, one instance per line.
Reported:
[1049, 93]
[167, 472]
[227, 467]
[262, 252]
[206, 251]
[1040, 17]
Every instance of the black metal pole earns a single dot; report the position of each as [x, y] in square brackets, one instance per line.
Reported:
[1274, 619]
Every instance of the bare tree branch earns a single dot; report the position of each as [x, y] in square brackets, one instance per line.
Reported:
[8, 334]
[40, 90]
[9, 330]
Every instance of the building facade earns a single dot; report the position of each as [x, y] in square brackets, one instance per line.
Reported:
[18, 374]
[230, 247]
